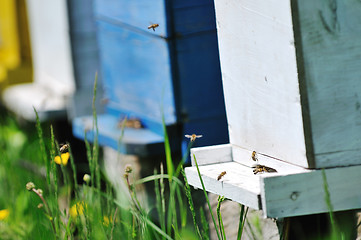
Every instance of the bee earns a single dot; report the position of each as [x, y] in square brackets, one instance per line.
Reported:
[254, 156]
[130, 123]
[64, 148]
[153, 26]
[221, 175]
[262, 168]
[193, 137]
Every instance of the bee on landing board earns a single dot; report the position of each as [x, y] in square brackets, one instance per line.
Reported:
[153, 26]
[64, 148]
[221, 175]
[193, 137]
[262, 168]
[254, 156]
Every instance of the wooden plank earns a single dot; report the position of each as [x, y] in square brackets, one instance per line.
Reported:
[303, 194]
[244, 156]
[261, 82]
[212, 154]
[238, 184]
[330, 34]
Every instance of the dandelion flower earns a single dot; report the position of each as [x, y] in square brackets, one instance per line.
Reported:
[106, 221]
[4, 214]
[62, 159]
[77, 209]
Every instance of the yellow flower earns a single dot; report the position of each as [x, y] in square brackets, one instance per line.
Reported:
[77, 209]
[63, 159]
[106, 221]
[4, 214]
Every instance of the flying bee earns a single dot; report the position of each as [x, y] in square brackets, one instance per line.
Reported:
[153, 26]
[254, 156]
[193, 137]
[262, 168]
[221, 175]
[64, 148]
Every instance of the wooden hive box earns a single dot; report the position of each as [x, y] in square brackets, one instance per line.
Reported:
[292, 90]
[153, 74]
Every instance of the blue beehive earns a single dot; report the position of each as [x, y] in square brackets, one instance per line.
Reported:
[172, 71]
[84, 54]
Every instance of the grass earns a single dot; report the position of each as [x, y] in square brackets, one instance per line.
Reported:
[62, 207]
[58, 206]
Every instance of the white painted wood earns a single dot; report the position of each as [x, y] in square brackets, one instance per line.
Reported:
[303, 194]
[244, 157]
[212, 154]
[50, 43]
[292, 191]
[260, 78]
[238, 184]
[53, 72]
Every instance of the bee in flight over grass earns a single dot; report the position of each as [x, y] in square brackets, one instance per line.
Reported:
[262, 168]
[193, 137]
[153, 26]
[221, 175]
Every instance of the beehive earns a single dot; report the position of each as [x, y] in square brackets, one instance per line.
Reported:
[171, 71]
[290, 74]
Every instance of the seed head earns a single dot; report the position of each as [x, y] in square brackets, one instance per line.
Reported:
[30, 186]
[128, 168]
[86, 178]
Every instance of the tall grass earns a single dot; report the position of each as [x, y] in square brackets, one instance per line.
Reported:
[84, 210]
[58, 206]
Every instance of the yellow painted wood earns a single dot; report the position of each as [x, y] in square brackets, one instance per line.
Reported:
[9, 38]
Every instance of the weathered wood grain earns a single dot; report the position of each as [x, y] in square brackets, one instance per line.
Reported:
[304, 193]
[330, 46]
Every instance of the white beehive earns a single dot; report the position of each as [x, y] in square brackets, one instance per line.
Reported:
[53, 70]
[291, 78]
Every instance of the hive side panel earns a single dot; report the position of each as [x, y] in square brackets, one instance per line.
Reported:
[304, 193]
[330, 33]
[260, 78]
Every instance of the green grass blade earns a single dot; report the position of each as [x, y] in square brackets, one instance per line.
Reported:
[95, 154]
[191, 204]
[168, 155]
[42, 146]
[159, 203]
[157, 176]
[162, 197]
[219, 216]
[206, 196]
[335, 234]
[205, 224]
[156, 228]
[242, 219]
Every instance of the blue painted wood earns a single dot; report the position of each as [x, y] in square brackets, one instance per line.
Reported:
[176, 66]
[186, 17]
[85, 56]
[141, 142]
[134, 14]
[137, 73]
[200, 89]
